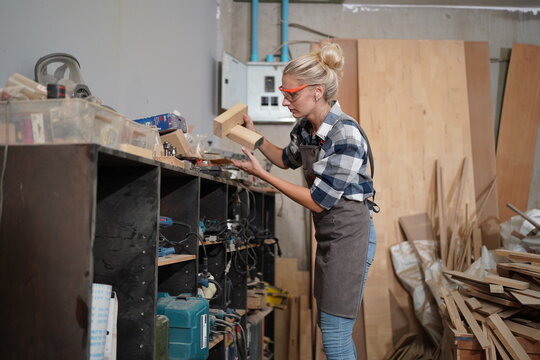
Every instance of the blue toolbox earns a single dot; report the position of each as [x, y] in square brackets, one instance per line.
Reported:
[188, 325]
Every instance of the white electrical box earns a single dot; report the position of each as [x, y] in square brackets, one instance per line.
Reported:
[255, 84]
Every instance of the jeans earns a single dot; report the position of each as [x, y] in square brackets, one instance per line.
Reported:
[337, 331]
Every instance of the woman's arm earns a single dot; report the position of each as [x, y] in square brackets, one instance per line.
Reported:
[271, 151]
[297, 193]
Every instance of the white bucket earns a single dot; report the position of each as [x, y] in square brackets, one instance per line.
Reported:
[101, 299]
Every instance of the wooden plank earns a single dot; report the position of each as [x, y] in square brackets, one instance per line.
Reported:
[498, 345]
[522, 330]
[306, 345]
[477, 65]
[286, 278]
[488, 308]
[348, 90]
[494, 299]
[434, 125]
[529, 292]
[507, 339]
[519, 120]
[504, 281]
[518, 256]
[453, 312]
[174, 258]
[417, 227]
[293, 348]
[526, 300]
[470, 320]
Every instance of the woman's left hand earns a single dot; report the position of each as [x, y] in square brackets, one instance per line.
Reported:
[251, 165]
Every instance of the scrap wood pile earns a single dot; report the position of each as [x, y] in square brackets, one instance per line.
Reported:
[501, 311]
[496, 315]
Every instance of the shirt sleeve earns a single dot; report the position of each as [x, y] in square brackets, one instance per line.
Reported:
[345, 155]
[291, 156]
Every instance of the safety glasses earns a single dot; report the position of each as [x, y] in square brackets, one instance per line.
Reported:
[292, 94]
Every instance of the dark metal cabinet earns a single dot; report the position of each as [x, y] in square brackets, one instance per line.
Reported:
[73, 215]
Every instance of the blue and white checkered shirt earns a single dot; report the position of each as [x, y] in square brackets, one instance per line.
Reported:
[341, 167]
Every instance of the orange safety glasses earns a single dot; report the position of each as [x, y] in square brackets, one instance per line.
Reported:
[291, 94]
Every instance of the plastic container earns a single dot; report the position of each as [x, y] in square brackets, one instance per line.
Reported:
[188, 325]
[70, 121]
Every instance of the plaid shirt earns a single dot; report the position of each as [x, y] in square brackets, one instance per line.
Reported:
[341, 168]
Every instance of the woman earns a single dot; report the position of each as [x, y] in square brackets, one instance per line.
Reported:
[329, 145]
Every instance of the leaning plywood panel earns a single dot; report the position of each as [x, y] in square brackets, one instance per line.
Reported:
[414, 106]
[518, 129]
[483, 139]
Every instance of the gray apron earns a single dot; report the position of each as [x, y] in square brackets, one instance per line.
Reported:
[342, 234]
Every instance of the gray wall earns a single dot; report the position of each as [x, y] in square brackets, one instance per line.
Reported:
[141, 57]
[499, 27]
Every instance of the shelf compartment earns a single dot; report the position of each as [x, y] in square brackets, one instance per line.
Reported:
[174, 258]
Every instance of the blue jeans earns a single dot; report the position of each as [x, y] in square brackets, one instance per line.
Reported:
[337, 331]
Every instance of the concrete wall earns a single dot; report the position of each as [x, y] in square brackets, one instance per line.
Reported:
[141, 57]
[500, 28]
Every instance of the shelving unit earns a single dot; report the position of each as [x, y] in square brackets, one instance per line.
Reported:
[80, 214]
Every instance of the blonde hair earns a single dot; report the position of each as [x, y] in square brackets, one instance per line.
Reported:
[323, 67]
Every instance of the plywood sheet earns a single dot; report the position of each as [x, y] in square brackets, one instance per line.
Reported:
[414, 107]
[482, 138]
[518, 129]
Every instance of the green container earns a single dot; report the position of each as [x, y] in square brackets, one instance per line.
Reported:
[162, 338]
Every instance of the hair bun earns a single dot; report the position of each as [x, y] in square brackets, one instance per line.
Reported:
[332, 56]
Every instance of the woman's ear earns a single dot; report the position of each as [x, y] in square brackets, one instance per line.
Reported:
[319, 91]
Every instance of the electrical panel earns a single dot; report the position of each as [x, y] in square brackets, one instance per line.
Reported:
[255, 84]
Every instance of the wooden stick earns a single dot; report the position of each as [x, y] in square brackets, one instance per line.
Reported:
[523, 215]
[469, 319]
[443, 235]
[507, 339]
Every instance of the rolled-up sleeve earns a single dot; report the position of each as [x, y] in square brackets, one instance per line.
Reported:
[339, 167]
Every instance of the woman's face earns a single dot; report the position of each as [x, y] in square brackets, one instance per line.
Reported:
[299, 99]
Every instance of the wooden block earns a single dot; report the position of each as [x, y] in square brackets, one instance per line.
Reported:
[473, 303]
[496, 289]
[245, 137]
[522, 330]
[507, 339]
[469, 319]
[230, 123]
[515, 284]
[179, 141]
[229, 119]
[135, 150]
[453, 312]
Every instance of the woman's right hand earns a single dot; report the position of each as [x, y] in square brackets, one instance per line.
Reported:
[248, 123]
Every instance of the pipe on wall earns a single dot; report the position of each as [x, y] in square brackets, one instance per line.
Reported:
[254, 30]
[285, 30]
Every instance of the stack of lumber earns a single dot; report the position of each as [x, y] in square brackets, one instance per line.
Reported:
[499, 312]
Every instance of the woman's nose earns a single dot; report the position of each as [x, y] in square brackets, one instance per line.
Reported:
[285, 102]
